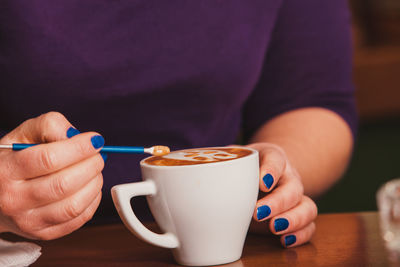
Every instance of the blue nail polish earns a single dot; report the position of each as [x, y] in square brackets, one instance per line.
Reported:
[281, 224]
[104, 156]
[72, 132]
[97, 141]
[268, 180]
[290, 240]
[263, 212]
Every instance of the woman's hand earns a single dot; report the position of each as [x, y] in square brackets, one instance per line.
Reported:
[290, 212]
[52, 189]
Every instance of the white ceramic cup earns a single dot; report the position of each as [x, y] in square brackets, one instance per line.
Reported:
[205, 209]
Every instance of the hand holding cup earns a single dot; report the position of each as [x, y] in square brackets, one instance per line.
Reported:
[291, 214]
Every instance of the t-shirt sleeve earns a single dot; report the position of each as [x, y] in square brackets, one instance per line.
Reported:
[308, 63]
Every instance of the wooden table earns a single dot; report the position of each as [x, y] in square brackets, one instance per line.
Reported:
[343, 239]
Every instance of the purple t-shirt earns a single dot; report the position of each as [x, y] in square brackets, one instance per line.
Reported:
[178, 73]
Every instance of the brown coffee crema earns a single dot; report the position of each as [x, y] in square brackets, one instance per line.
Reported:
[198, 156]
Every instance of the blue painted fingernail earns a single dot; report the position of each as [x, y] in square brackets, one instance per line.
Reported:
[72, 132]
[97, 141]
[268, 180]
[104, 156]
[290, 240]
[281, 224]
[263, 212]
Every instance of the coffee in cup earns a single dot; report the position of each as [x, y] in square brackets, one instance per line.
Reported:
[198, 156]
[202, 199]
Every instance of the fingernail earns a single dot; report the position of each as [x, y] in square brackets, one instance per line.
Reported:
[268, 180]
[104, 156]
[263, 212]
[72, 132]
[97, 141]
[281, 224]
[290, 240]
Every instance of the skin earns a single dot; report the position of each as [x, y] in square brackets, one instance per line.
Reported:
[52, 189]
[306, 151]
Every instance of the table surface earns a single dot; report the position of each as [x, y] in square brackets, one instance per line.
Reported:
[341, 239]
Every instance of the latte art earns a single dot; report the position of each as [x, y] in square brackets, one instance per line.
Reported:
[201, 155]
[198, 156]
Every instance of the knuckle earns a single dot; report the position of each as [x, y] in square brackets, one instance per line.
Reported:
[295, 221]
[268, 166]
[277, 150]
[288, 201]
[99, 163]
[297, 197]
[274, 159]
[99, 181]
[312, 206]
[6, 207]
[26, 223]
[81, 148]
[308, 232]
[48, 159]
[89, 212]
[282, 204]
[301, 189]
[59, 187]
[297, 189]
[49, 118]
[300, 221]
[312, 228]
[7, 202]
[25, 226]
[300, 192]
[96, 164]
[87, 216]
[37, 194]
[72, 209]
[50, 123]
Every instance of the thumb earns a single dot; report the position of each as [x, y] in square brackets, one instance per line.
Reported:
[46, 128]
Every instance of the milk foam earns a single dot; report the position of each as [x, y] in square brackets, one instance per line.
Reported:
[203, 155]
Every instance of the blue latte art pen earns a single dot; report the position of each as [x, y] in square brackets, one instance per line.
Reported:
[154, 150]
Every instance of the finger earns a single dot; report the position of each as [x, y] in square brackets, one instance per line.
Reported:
[65, 228]
[59, 185]
[49, 127]
[299, 237]
[284, 197]
[272, 165]
[294, 219]
[48, 158]
[68, 208]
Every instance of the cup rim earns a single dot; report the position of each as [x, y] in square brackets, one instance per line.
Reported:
[254, 152]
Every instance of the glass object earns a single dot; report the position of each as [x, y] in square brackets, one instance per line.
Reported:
[388, 200]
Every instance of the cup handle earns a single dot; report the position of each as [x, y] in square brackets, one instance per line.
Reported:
[121, 195]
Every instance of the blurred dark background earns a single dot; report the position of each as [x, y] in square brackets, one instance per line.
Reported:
[376, 35]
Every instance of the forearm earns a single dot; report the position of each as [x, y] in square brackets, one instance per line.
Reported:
[317, 141]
